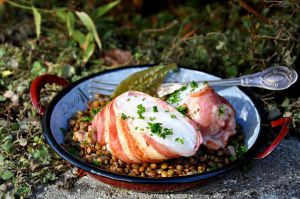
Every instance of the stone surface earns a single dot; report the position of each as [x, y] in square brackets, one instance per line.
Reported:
[276, 176]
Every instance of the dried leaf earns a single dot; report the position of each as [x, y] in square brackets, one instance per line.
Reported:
[117, 57]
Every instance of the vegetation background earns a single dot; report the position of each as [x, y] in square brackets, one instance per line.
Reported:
[75, 38]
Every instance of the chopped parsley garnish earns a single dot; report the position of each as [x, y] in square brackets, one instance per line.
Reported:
[95, 110]
[155, 110]
[174, 97]
[136, 128]
[182, 109]
[241, 150]
[152, 118]
[142, 129]
[173, 116]
[183, 88]
[128, 99]
[86, 119]
[193, 85]
[140, 111]
[205, 82]
[143, 99]
[221, 111]
[97, 163]
[180, 140]
[157, 129]
[167, 132]
[123, 116]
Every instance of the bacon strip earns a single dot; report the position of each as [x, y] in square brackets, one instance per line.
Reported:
[162, 149]
[214, 115]
[128, 141]
[114, 143]
[134, 148]
[98, 125]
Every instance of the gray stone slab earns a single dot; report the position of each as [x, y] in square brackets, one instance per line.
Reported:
[277, 176]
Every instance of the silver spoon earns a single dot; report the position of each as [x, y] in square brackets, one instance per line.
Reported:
[274, 78]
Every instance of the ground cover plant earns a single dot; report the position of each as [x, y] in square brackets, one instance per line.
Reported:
[75, 38]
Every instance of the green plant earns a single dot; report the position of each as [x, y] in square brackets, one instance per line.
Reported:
[87, 39]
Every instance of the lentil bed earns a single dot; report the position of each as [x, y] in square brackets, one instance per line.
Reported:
[92, 153]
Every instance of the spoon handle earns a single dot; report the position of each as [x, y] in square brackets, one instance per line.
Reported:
[274, 78]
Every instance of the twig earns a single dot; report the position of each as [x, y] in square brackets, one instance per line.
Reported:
[265, 60]
[254, 12]
[187, 35]
[182, 39]
[267, 97]
[275, 38]
[163, 29]
[216, 33]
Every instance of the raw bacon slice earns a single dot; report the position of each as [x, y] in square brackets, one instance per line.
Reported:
[211, 112]
[138, 128]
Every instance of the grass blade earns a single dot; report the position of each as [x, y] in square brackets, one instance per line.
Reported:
[102, 10]
[89, 47]
[89, 24]
[37, 21]
[70, 23]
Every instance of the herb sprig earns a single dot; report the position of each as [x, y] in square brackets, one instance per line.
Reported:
[221, 111]
[182, 109]
[193, 85]
[180, 140]
[155, 110]
[123, 116]
[157, 129]
[140, 111]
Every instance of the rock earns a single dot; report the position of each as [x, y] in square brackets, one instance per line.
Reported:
[268, 178]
